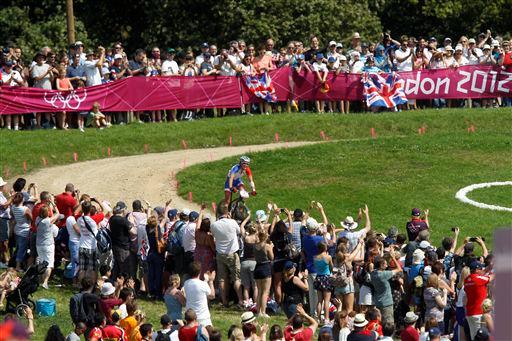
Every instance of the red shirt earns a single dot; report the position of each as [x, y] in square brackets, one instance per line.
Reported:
[188, 333]
[65, 203]
[35, 213]
[107, 304]
[95, 334]
[306, 334]
[507, 61]
[374, 325]
[475, 287]
[410, 334]
[98, 217]
[113, 333]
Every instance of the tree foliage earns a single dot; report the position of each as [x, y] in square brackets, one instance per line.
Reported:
[32, 24]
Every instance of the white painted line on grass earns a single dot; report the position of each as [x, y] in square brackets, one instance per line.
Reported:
[462, 195]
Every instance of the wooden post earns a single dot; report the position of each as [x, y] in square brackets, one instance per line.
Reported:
[70, 21]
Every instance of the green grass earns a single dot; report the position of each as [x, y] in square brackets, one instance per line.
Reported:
[497, 195]
[222, 318]
[391, 175]
[57, 147]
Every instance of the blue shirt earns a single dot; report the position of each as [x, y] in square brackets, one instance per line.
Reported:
[382, 293]
[322, 267]
[75, 71]
[311, 250]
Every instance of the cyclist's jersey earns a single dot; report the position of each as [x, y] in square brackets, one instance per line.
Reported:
[238, 172]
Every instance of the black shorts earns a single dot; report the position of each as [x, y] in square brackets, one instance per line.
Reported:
[278, 266]
[262, 271]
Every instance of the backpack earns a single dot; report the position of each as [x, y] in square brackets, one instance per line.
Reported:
[199, 334]
[174, 246]
[83, 307]
[160, 336]
[103, 241]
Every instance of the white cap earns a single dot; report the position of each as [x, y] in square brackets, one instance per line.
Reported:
[332, 42]
[2, 182]
[118, 56]
[79, 43]
[495, 43]
[342, 57]
[472, 41]
[486, 47]
[448, 48]
[458, 47]
[185, 211]
[424, 244]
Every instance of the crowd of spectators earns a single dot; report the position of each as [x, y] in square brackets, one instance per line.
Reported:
[341, 281]
[80, 66]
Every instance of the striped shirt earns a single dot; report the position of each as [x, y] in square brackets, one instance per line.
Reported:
[22, 226]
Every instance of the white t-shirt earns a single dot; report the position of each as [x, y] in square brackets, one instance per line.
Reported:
[92, 73]
[320, 67]
[73, 236]
[46, 232]
[406, 65]
[4, 213]
[189, 237]
[461, 293]
[16, 75]
[463, 61]
[38, 71]
[344, 334]
[169, 68]
[225, 231]
[196, 293]
[200, 60]
[87, 240]
[357, 67]
[225, 68]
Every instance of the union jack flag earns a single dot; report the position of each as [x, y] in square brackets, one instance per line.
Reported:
[384, 91]
[261, 86]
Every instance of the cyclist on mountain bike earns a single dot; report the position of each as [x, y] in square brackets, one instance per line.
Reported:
[234, 181]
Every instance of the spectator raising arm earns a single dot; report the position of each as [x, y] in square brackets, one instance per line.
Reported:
[311, 321]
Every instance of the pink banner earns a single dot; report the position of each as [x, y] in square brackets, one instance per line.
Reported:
[154, 93]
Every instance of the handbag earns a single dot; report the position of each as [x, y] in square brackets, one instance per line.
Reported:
[161, 244]
[290, 249]
[339, 278]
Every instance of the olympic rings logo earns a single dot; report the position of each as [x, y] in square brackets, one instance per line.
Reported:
[71, 101]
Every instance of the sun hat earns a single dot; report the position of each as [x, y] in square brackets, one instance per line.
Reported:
[472, 41]
[2, 182]
[89, 52]
[332, 42]
[79, 43]
[107, 289]
[312, 224]
[448, 48]
[418, 256]
[349, 223]
[261, 215]
[355, 53]
[356, 36]
[410, 317]
[360, 320]
[248, 317]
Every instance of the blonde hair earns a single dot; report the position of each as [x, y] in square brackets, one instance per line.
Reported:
[262, 236]
[487, 305]
[432, 281]
[237, 335]
[174, 280]
[463, 275]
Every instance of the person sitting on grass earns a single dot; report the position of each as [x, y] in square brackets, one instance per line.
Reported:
[191, 329]
[174, 298]
[97, 119]
[112, 331]
[8, 283]
[80, 328]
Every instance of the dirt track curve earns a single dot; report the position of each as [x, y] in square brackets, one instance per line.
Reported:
[146, 177]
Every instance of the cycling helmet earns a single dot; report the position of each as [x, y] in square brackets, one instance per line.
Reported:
[245, 159]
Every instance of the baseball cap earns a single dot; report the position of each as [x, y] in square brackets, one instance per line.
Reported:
[342, 57]
[495, 43]
[171, 50]
[424, 245]
[79, 43]
[475, 264]
[331, 59]
[159, 210]
[172, 213]
[339, 45]
[458, 48]
[120, 206]
[332, 42]
[118, 56]
[8, 63]
[289, 265]
[185, 211]
[319, 55]
[364, 45]
[418, 256]
[193, 215]
[448, 39]
[260, 215]
[105, 71]
[472, 41]
[486, 47]
[432, 39]
[312, 224]
[89, 52]
[205, 45]
[434, 332]
[416, 212]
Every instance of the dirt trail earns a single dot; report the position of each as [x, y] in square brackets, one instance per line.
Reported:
[147, 176]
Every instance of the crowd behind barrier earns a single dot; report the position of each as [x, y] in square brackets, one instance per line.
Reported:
[306, 72]
[343, 281]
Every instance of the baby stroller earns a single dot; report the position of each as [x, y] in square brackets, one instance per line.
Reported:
[18, 299]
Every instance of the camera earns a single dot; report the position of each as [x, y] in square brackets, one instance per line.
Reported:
[283, 210]
[473, 239]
